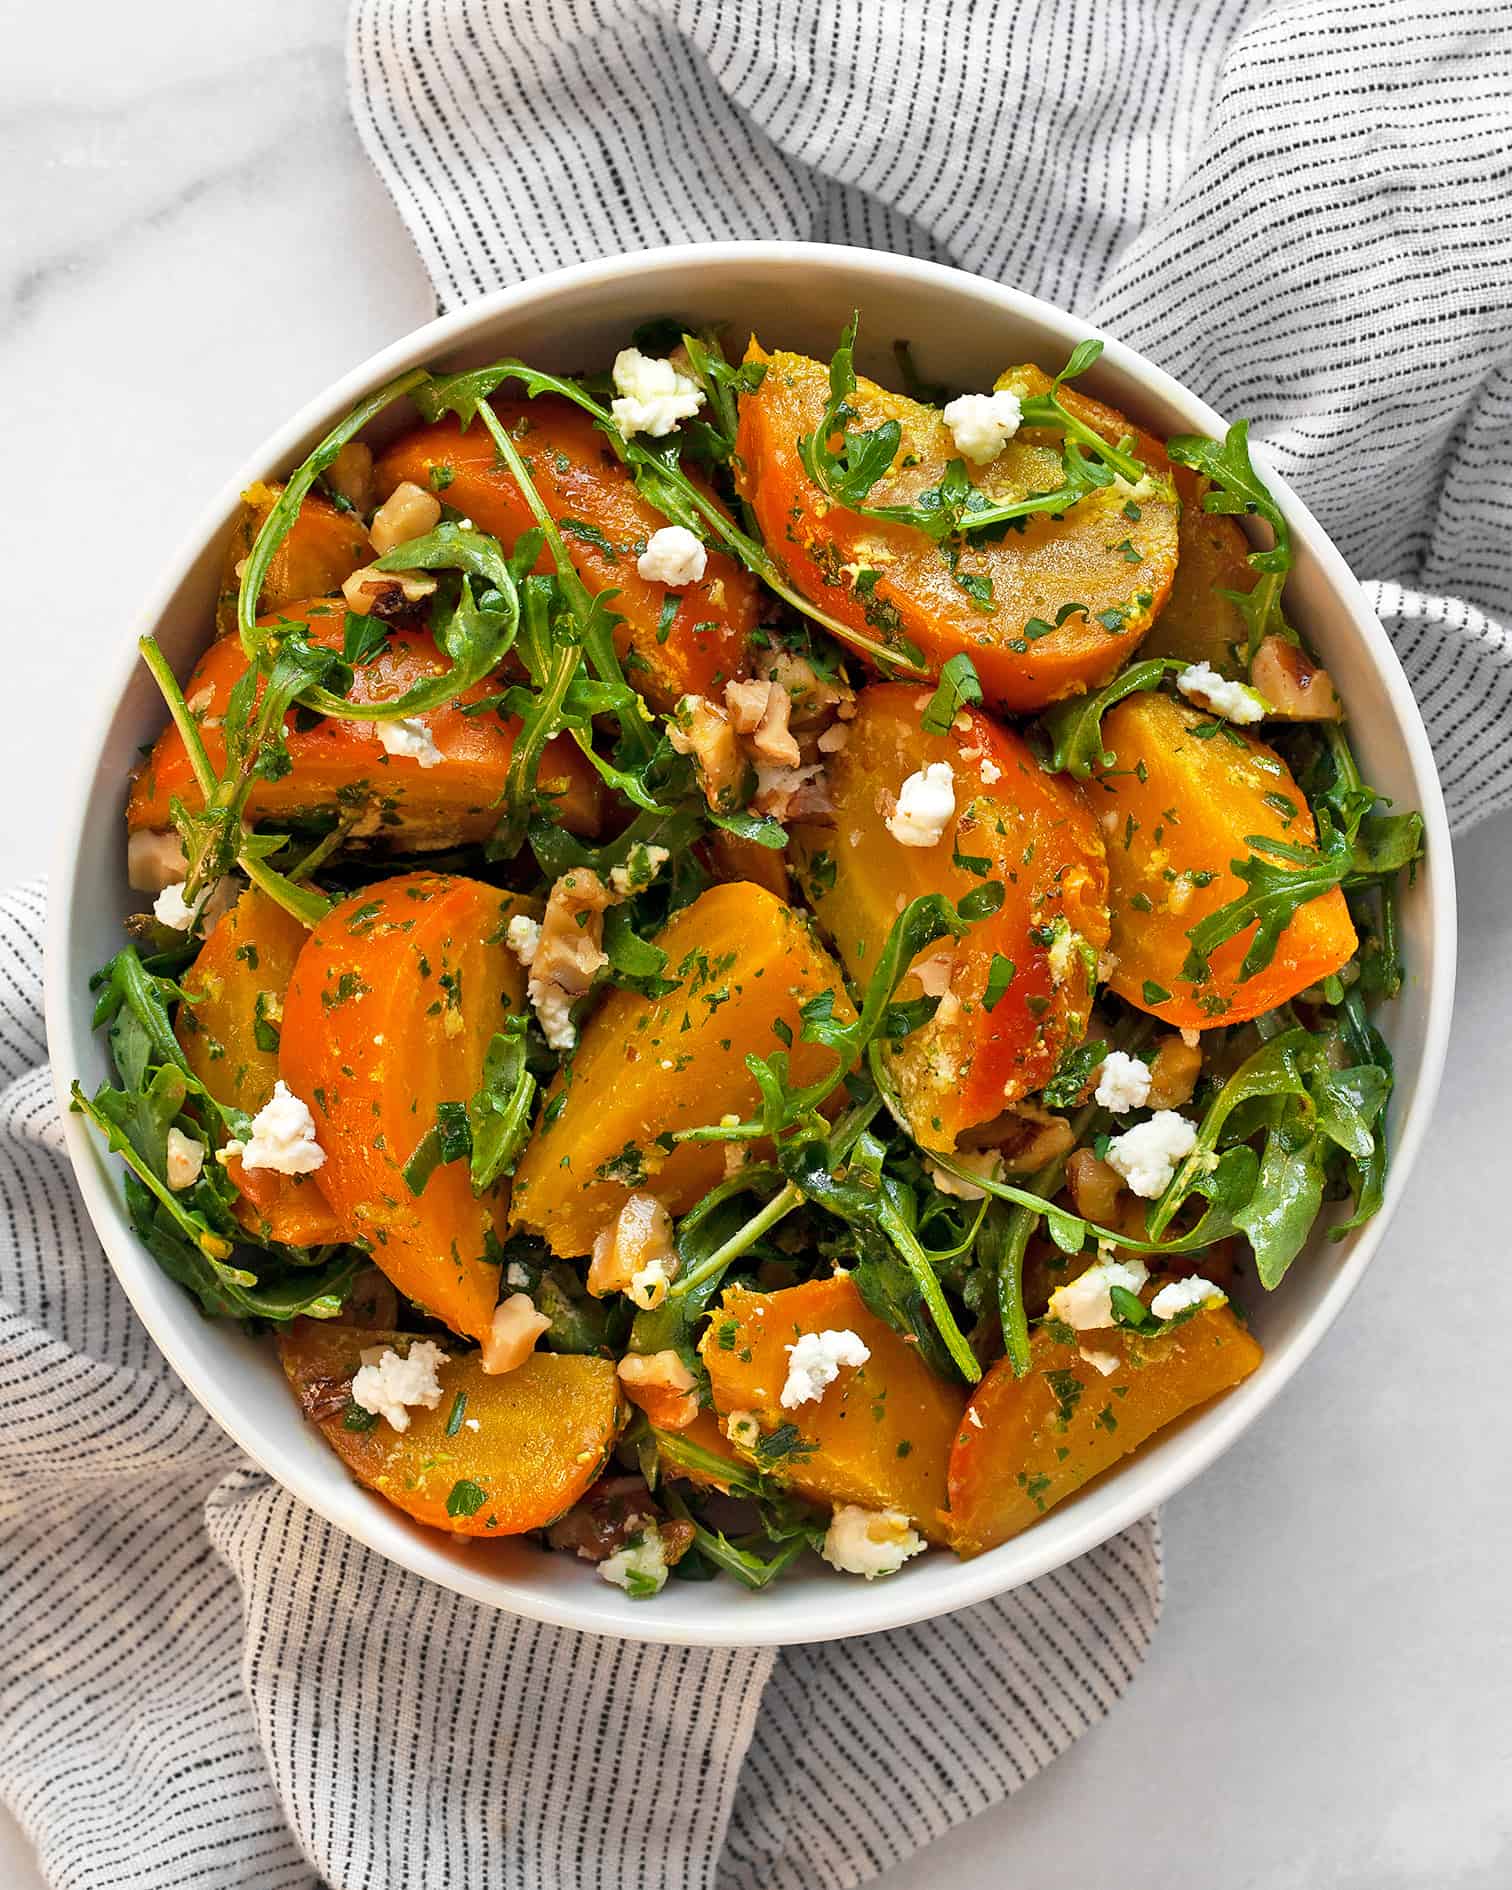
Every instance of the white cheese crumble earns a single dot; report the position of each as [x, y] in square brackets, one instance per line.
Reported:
[387, 1384]
[517, 1276]
[639, 870]
[283, 1136]
[814, 1364]
[1147, 1155]
[984, 1162]
[169, 907]
[1105, 1362]
[1123, 1083]
[653, 396]
[1085, 1303]
[926, 803]
[991, 772]
[186, 1157]
[673, 555]
[640, 1568]
[553, 1009]
[743, 1428]
[983, 424]
[1180, 1295]
[411, 739]
[522, 935]
[869, 1542]
[1234, 701]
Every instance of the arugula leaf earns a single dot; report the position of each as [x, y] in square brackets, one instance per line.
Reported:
[499, 1114]
[1237, 489]
[1075, 725]
[958, 688]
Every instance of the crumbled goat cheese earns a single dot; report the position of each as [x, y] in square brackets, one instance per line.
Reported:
[283, 1136]
[926, 802]
[673, 555]
[743, 1428]
[1179, 1295]
[814, 1364]
[869, 1542]
[1105, 1362]
[984, 1162]
[1235, 701]
[523, 936]
[983, 424]
[639, 870]
[1123, 1083]
[517, 1276]
[169, 907]
[653, 396]
[991, 772]
[386, 1383]
[154, 859]
[1146, 1155]
[640, 1568]
[1085, 1303]
[410, 738]
[186, 1157]
[1065, 953]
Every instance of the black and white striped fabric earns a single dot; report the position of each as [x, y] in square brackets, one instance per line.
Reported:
[203, 1686]
[1300, 209]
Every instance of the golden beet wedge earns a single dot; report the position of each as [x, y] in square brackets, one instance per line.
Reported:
[497, 1456]
[745, 965]
[880, 1436]
[322, 548]
[1200, 623]
[891, 583]
[389, 1013]
[1031, 960]
[341, 765]
[1176, 806]
[229, 1036]
[673, 640]
[1027, 1443]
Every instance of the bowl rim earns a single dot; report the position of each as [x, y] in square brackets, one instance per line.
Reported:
[832, 1613]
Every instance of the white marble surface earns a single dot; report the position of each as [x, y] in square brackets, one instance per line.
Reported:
[191, 243]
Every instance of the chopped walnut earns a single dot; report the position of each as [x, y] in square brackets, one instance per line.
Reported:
[1027, 1136]
[701, 729]
[155, 859]
[760, 710]
[569, 952]
[662, 1386]
[635, 1254]
[1296, 689]
[1174, 1070]
[793, 794]
[816, 701]
[408, 512]
[1094, 1186]
[512, 1334]
[372, 593]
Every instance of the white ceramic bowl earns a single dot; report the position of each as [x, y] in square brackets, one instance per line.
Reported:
[795, 295]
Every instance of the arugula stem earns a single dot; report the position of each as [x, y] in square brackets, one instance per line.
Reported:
[183, 716]
[743, 1238]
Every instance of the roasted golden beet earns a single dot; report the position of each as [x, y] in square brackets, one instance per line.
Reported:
[521, 1449]
[605, 524]
[1028, 830]
[1176, 805]
[342, 765]
[645, 1067]
[881, 1434]
[891, 581]
[323, 546]
[1027, 1443]
[1199, 623]
[238, 983]
[389, 1012]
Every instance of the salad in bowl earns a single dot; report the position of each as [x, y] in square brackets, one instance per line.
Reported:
[745, 966]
